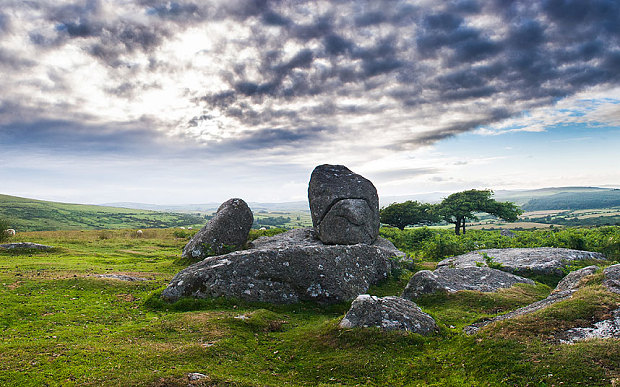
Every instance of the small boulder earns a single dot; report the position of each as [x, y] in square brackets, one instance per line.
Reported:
[388, 313]
[344, 206]
[605, 329]
[539, 260]
[450, 280]
[508, 233]
[227, 231]
[612, 278]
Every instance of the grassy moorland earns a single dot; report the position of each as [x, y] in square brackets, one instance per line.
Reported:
[62, 325]
[39, 215]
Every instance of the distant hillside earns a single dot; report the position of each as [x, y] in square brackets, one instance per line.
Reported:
[38, 215]
[521, 197]
[575, 201]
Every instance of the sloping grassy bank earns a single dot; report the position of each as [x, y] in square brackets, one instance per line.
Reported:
[62, 325]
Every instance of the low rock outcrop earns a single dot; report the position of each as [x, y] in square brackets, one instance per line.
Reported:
[227, 231]
[287, 268]
[388, 313]
[605, 329]
[563, 291]
[26, 245]
[344, 206]
[541, 260]
[446, 279]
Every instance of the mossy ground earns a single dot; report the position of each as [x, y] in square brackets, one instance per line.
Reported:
[61, 325]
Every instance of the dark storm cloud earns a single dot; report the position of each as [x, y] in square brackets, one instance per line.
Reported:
[309, 65]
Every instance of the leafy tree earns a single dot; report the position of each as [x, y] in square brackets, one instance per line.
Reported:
[462, 206]
[408, 213]
[4, 225]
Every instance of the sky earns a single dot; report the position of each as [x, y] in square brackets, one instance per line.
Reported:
[172, 102]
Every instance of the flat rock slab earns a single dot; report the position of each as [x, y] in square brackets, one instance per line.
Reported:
[450, 280]
[388, 313]
[287, 268]
[121, 277]
[541, 260]
[605, 329]
[26, 245]
[612, 278]
[563, 291]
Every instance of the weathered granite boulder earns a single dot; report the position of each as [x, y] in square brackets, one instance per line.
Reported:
[344, 206]
[563, 291]
[26, 245]
[287, 268]
[446, 279]
[541, 260]
[571, 281]
[612, 278]
[121, 277]
[388, 313]
[227, 231]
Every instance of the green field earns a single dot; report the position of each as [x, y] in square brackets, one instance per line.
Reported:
[38, 215]
[62, 325]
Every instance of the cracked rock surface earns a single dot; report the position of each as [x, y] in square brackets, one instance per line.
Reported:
[540, 260]
[388, 313]
[344, 206]
[287, 268]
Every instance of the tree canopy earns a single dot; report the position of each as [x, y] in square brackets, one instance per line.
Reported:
[462, 206]
[408, 213]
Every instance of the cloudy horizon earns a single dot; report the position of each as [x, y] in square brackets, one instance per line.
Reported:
[191, 102]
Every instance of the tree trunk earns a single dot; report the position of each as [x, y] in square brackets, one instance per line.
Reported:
[457, 227]
[463, 221]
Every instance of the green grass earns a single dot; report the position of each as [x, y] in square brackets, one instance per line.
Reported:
[38, 215]
[61, 325]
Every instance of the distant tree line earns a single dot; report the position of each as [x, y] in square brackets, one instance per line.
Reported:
[457, 209]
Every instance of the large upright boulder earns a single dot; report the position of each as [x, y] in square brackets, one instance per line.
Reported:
[227, 231]
[344, 206]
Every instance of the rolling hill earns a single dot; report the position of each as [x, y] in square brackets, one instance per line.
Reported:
[39, 215]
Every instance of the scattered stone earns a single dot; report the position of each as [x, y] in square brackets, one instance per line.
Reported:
[612, 278]
[121, 277]
[139, 233]
[286, 268]
[227, 231]
[508, 233]
[344, 206]
[446, 279]
[571, 281]
[26, 245]
[195, 376]
[605, 329]
[563, 291]
[541, 260]
[388, 313]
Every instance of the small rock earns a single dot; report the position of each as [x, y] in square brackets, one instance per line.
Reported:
[388, 313]
[227, 231]
[344, 206]
[196, 376]
[446, 279]
[121, 277]
[508, 233]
